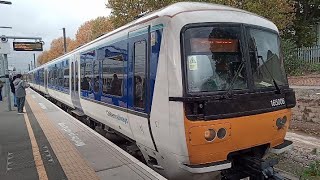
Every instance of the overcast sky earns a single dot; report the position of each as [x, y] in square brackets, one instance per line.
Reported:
[45, 18]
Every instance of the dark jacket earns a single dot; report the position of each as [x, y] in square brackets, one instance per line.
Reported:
[1, 84]
[13, 90]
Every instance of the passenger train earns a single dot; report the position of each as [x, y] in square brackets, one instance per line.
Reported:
[199, 89]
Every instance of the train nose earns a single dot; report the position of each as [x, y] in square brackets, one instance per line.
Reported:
[269, 128]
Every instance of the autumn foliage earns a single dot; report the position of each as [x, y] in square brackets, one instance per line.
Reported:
[87, 32]
[281, 12]
[294, 18]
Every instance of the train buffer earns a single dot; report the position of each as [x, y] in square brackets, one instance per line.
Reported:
[48, 143]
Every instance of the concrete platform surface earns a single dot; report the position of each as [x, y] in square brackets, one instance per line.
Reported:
[48, 143]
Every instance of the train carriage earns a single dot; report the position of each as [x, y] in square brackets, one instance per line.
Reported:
[197, 88]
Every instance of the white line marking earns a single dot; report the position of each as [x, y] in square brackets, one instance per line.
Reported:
[9, 156]
[133, 159]
[77, 141]
[42, 106]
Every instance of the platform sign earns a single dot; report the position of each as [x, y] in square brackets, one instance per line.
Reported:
[27, 46]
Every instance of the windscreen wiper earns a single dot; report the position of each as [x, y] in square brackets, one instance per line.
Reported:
[234, 80]
[274, 81]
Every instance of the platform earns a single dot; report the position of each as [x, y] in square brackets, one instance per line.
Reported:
[48, 143]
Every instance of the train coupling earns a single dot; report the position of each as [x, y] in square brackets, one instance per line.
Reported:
[254, 168]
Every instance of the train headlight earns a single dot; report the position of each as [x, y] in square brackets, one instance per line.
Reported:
[210, 134]
[281, 122]
[222, 132]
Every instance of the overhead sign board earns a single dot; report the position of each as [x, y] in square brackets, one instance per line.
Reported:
[27, 46]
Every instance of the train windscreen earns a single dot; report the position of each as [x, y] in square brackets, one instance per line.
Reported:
[265, 59]
[214, 59]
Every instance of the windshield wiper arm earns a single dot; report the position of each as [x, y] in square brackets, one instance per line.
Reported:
[234, 80]
[274, 81]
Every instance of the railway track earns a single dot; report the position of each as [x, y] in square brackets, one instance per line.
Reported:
[287, 175]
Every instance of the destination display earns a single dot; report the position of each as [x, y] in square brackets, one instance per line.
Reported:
[214, 45]
[27, 46]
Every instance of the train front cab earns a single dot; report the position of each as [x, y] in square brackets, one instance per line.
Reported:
[236, 100]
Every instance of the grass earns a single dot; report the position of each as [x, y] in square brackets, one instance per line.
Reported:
[312, 172]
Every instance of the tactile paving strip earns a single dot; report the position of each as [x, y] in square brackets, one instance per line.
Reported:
[74, 166]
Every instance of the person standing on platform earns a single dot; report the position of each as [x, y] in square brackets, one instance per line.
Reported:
[1, 86]
[20, 92]
[13, 90]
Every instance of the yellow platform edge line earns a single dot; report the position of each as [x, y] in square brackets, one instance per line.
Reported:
[73, 165]
[35, 151]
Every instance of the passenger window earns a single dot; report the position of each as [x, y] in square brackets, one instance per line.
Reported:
[72, 77]
[96, 77]
[76, 77]
[112, 76]
[140, 57]
[85, 73]
[66, 75]
[55, 75]
[61, 75]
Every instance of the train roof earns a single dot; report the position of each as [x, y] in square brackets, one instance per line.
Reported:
[168, 11]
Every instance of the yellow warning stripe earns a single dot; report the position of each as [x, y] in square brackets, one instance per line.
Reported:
[71, 161]
[35, 150]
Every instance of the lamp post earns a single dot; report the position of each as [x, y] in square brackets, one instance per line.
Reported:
[4, 63]
[64, 40]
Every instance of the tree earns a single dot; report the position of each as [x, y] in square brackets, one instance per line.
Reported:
[84, 33]
[101, 26]
[279, 11]
[87, 32]
[307, 16]
[92, 29]
[56, 50]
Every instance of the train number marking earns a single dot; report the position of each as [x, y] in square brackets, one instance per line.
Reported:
[277, 102]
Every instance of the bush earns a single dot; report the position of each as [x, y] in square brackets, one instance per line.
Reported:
[314, 68]
[293, 65]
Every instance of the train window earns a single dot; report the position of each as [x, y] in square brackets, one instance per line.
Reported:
[96, 77]
[66, 75]
[76, 76]
[51, 76]
[55, 75]
[85, 72]
[112, 76]
[86, 67]
[46, 77]
[140, 58]
[41, 76]
[213, 59]
[60, 78]
[266, 62]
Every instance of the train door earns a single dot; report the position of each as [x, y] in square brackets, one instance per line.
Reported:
[75, 82]
[138, 86]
